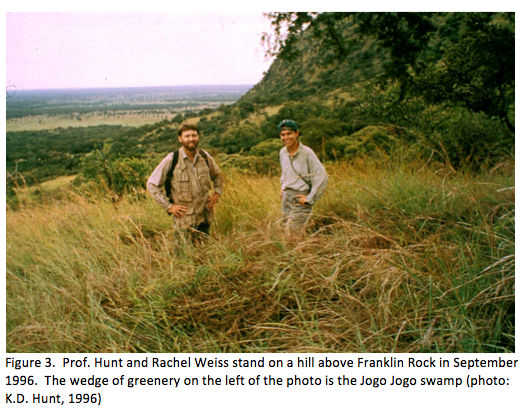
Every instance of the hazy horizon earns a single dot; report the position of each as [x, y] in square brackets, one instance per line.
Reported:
[128, 87]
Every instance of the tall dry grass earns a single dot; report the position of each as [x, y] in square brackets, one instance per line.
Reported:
[399, 258]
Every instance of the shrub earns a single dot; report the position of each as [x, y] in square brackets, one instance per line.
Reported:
[269, 147]
[118, 175]
[240, 138]
[468, 139]
[367, 141]
[250, 164]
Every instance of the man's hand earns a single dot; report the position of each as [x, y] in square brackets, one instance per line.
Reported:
[301, 199]
[178, 210]
[212, 201]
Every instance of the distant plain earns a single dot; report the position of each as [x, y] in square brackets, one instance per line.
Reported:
[34, 110]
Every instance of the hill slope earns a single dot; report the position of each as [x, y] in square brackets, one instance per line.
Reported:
[373, 82]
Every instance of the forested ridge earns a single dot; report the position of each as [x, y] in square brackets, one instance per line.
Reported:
[443, 80]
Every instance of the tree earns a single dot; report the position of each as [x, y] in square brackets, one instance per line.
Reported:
[404, 35]
[287, 31]
[478, 70]
[463, 58]
[317, 131]
[240, 138]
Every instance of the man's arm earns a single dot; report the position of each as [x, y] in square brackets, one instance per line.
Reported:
[282, 175]
[155, 184]
[218, 182]
[319, 178]
[217, 177]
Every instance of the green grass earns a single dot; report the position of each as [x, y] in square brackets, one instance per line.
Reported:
[400, 258]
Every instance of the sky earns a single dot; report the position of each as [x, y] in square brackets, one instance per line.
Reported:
[98, 50]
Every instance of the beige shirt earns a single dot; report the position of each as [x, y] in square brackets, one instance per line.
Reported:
[190, 186]
[303, 165]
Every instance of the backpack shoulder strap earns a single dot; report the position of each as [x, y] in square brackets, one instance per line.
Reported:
[169, 175]
[205, 157]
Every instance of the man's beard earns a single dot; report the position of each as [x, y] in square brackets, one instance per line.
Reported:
[191, 146]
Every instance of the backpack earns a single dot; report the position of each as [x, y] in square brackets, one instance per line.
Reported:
[169, 176]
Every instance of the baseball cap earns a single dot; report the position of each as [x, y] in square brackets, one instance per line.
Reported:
[287, 124]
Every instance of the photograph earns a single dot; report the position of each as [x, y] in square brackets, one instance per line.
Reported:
[260, 182]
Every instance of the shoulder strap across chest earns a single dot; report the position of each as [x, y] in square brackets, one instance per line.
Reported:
[169, 176]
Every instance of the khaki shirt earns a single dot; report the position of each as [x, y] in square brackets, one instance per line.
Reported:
[190, 186]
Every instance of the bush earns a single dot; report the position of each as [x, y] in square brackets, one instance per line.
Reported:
[250, 164]
[118, 175]
[467, 139]
[240, 138]
[368, 141]
[270, 147]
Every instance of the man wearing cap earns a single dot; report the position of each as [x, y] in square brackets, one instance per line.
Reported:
[303, 179]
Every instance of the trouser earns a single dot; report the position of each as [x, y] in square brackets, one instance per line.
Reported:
[190, 234]
[294, 215]
[202, 228]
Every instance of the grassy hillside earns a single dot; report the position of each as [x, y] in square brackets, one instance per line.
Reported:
[402, 257]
